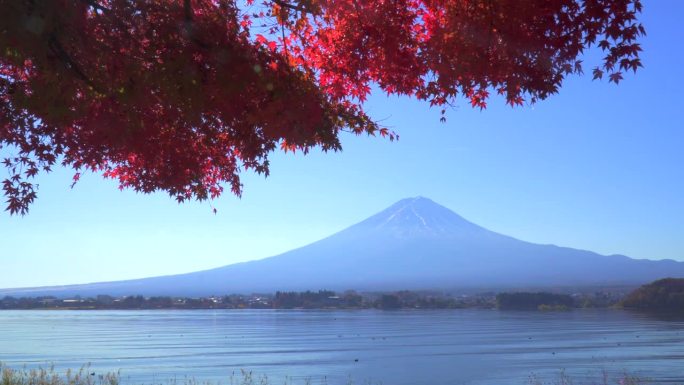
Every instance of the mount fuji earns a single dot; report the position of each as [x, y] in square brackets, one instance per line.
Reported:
[413, 244]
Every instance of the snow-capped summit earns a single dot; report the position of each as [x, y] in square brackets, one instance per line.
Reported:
[417, 216]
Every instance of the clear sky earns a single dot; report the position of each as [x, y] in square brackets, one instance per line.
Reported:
[596, 167]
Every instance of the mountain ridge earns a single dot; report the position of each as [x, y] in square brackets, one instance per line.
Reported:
[413, 244]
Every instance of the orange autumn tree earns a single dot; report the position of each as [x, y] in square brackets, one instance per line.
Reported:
[183, 95]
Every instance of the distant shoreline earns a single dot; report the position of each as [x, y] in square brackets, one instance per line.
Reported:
[661, 298]
[325, 300]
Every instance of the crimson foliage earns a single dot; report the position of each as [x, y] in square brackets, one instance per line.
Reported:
[182, 95]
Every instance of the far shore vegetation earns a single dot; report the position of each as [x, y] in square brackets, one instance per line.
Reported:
[535, 301]
[325, 299]
[665, 295]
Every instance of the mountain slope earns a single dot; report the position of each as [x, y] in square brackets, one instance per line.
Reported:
[415, 243]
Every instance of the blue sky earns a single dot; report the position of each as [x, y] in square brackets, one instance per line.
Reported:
[596, 167]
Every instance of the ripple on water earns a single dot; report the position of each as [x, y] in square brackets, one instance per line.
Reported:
[482, 347]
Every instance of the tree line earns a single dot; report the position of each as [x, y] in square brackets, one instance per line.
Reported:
[322, 299]
[326, 299]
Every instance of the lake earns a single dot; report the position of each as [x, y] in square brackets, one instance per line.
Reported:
[483, 347]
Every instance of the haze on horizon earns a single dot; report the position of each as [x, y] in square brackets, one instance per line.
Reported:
[595, 167]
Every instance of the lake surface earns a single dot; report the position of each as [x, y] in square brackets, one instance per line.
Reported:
[483, 347]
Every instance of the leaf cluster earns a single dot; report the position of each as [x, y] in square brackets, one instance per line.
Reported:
[183, 96]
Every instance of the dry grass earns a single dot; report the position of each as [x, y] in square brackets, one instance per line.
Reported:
[48, 376]
[602, 379]
[84, 376]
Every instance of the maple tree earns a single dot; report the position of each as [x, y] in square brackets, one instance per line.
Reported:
[183, 95]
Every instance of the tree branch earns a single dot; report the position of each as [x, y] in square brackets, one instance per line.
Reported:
[189, 17]
[96, 5]
[299, 8]
[187, 8]
[57, 48]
